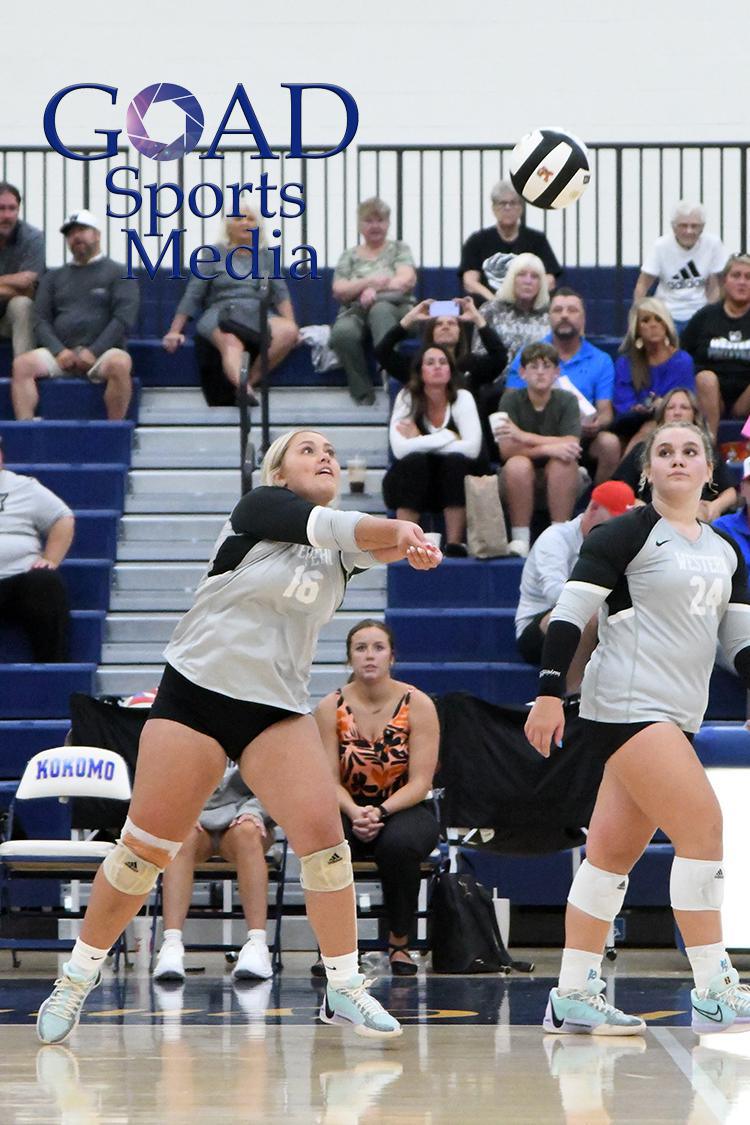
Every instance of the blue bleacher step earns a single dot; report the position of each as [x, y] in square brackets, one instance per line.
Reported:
[87, 582]
[454, 634]
[67, 398]
[503, 683]
[21, 739]
[457, 584]
[65, 441]
[83, 485]
[95, 534]
[86, 636]
[42, 691]
[723, 745]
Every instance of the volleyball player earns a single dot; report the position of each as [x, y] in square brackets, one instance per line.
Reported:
[665, 586]
[236, 685]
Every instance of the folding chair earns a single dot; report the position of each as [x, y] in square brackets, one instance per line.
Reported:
[63, 772]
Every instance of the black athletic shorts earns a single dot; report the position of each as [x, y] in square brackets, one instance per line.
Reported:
[232, 722]
[604, 739]
[531, 641]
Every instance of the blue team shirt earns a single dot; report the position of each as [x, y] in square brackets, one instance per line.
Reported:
[677, 371]
[738, 527]
[590, 370]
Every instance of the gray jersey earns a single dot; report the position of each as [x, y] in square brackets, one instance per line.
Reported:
[277, 575]
[663, 602]
[27, 512]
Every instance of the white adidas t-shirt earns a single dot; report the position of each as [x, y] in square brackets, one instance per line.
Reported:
[683, 274]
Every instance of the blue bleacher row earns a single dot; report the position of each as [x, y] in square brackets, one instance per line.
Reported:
[606, 290]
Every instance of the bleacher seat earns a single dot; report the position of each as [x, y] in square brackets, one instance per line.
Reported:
[42, 690]
[95, 534]
[86, 636]
[88, 582]
[454, 634]
[21, 739]
[52, 442]
[81, 485]
[64, 398]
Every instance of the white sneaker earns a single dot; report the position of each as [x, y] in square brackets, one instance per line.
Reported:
[170, 964]
[518, 547]
[254, 962]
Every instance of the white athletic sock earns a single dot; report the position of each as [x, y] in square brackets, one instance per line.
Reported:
[340, 970]
[85, 960]
[579, 967]
[258, 936]
[172, 936]
[707, 961]
[521, 533]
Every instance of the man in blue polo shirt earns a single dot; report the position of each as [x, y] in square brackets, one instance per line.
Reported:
[737, 524]
[592, 373]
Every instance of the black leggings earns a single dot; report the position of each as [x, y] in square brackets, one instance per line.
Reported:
[404, 841]
[428, 482]
[38, 601]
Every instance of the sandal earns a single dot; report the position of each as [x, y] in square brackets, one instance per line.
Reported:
[400, 968]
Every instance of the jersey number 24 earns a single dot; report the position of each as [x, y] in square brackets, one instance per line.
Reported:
[705, 597]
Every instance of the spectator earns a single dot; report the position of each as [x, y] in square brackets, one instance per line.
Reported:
[373, 281]
[737, 524]
[36, 531]
[436, 438]
[539, 445]
[548, 568]
[381, 737]
[519, 310]
[718, 339]
[592, 374]
[680, 405]
[686, 263]
[650, 364]
[508, 237]
[235, 826]
[240, 298]
[21, 266]
[84, 311]
[452, 332]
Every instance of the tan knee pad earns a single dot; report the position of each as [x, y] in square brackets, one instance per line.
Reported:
[327, 870]
[129, 872]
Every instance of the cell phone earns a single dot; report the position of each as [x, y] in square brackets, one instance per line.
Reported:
[445, 308]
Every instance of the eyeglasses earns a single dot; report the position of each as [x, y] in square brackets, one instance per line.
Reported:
[507, 203]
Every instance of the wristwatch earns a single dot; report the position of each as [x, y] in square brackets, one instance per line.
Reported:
[384, 814]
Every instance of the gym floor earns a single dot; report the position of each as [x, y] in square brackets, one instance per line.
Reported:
[472, 1051]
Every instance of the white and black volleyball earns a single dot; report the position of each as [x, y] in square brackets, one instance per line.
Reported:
[550, 168]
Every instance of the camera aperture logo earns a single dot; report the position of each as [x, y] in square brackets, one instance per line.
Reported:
[135, 121]
[157, 201]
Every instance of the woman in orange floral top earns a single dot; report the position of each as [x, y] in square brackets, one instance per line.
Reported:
[382, 739]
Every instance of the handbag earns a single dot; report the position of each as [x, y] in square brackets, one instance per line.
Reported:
[463, 930]
[486, 534]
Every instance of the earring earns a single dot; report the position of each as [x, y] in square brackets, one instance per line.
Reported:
[639, 343]
[667, 341]
[642, 482]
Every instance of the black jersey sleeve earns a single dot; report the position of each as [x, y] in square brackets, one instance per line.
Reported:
[734, 627]
[598, 576]
[272, 513]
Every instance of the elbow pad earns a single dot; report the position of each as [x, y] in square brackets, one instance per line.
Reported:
[327, 527]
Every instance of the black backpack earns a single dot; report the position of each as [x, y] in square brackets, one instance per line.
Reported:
[463, 931]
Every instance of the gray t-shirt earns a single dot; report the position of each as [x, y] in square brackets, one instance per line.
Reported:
[663, 602]
[27, 512]
[23, 250]
[224, 289]
[230, 799]
[272, 583]
[547, 569]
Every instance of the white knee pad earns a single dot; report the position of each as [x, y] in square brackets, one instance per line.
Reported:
[132, 831]
[327, 870]
[598, 893]
[696, 884]
[128, 872]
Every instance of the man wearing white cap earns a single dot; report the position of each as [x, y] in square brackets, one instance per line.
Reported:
[84, 311]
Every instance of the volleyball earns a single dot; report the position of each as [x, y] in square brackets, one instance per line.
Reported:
[550, 168]
[140, 699]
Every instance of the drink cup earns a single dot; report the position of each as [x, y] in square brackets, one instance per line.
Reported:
[433, 537]
[497, 419]
[356, 470]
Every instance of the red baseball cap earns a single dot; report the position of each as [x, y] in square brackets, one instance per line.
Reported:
[615, 496]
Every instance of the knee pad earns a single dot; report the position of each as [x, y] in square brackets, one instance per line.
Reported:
[696, 884]
[327, 870]
[128, 872]
[598, 893]
[131, 833]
